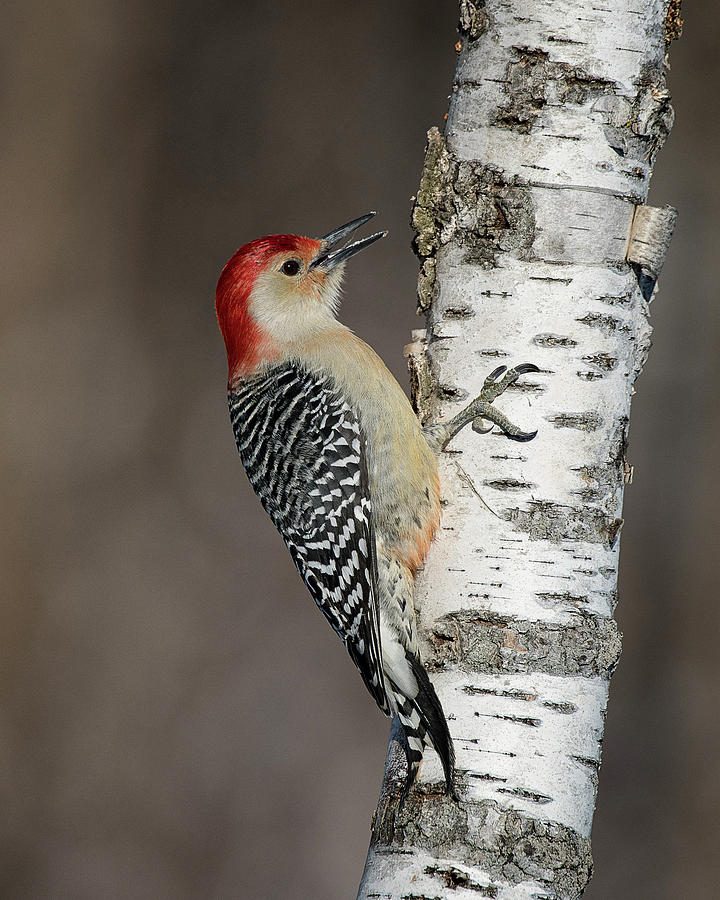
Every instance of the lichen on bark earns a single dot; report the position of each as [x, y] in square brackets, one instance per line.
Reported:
[474, 20]
[473, 205]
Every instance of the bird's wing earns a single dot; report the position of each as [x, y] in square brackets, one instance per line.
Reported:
[303, 451]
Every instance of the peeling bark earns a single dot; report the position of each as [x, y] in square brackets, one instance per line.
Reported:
[536, 245]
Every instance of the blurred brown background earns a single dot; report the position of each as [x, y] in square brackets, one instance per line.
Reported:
[178, 721]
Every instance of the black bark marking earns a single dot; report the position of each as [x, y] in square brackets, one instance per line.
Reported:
[616, 300]
[549, 278]
[458, 312]
[602, 361]
[455, 879]
[550, 600]
[509, 484]
[493, 692]
[527, 387]
[553, 340]
[606, 324]
[561, 707]
[587, 761]
[524, 794]
[485, 776]
[520, 720]
[494, 354]
[582, 421]
[450, 392]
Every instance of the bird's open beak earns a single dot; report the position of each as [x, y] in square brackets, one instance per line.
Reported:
[328, 257]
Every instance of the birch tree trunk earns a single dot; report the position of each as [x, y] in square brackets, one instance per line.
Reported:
[536, 246]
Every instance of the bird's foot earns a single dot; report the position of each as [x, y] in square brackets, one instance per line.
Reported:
[481, 409]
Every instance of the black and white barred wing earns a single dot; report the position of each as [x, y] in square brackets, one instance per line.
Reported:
[302, 449]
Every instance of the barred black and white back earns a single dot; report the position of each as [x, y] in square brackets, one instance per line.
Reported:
[303, 449]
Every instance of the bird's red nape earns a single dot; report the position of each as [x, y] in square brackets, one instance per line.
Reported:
[245, 341]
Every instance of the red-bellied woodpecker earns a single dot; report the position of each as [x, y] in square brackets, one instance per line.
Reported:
[338, 459]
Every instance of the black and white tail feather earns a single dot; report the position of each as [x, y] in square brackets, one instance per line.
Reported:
[424, 724]
[303, 450]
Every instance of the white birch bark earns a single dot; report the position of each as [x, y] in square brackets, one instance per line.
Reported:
[536, 247]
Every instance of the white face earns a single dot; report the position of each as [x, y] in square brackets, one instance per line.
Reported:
[291, 302]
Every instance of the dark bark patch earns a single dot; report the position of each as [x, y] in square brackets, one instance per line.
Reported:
[473, 205]
[578, 86]
[589, 495]
[602, 361]
[554, 340]
[426, 284]
[614, 530]
[415, 897]
[652, 115]
[532, 80]
[606, 324]
[526, 79]
[497, 214]
[646, 126]
[543, 520]
[508, 845]
[422, 385]
[605, 480]
[478, 641]
[430, 210]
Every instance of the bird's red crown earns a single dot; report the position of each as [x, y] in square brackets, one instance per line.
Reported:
[244, 339]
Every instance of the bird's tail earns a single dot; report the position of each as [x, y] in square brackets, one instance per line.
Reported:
[424, 724]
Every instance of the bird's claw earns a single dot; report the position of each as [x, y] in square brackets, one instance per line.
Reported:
[477, 426]
[497, 382]
[494, 385]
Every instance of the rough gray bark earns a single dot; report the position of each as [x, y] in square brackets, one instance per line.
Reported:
[536, 245]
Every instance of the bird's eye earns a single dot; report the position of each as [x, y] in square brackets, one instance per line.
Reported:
[290, 267]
